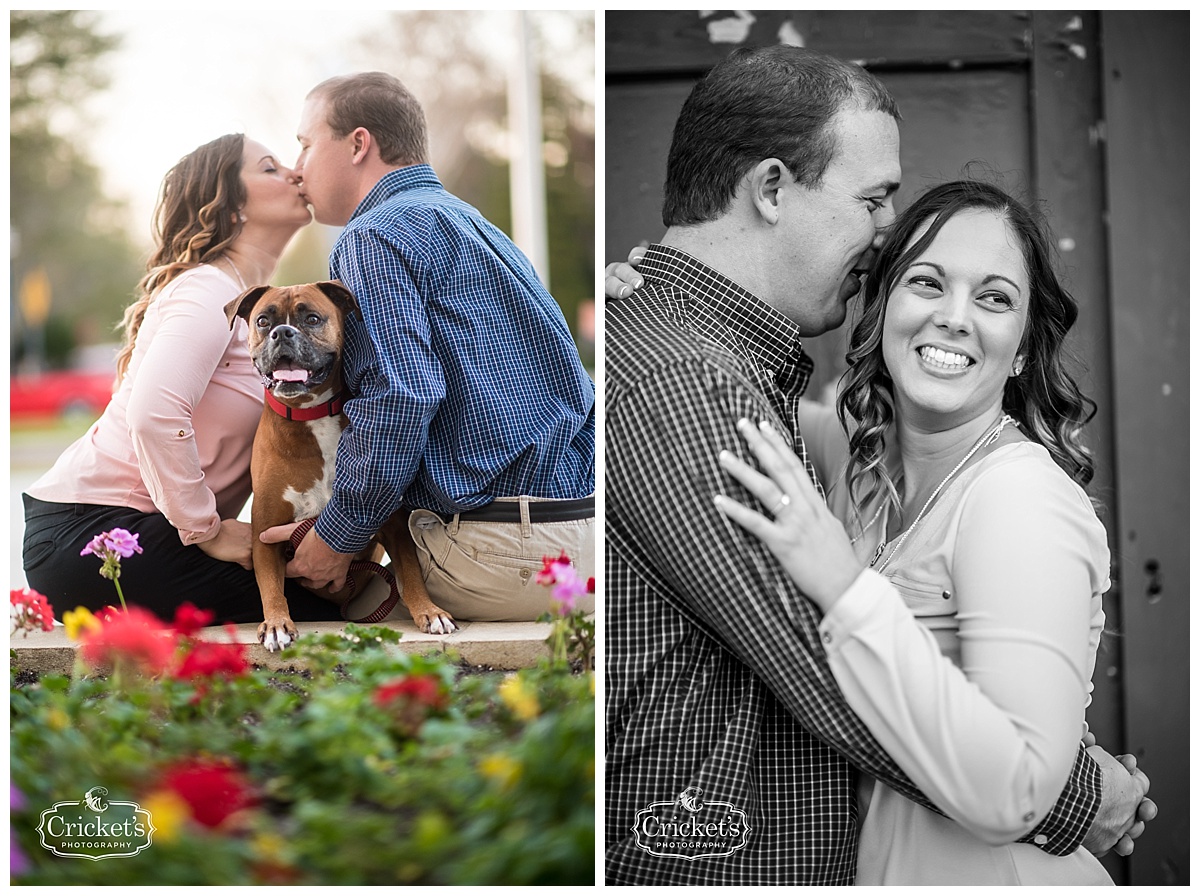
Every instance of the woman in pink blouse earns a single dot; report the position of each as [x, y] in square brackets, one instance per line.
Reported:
[169, 459]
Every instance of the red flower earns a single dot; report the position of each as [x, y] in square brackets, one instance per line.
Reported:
[410, 700]
[131, 636]
[207, 659]
[591, 585]
[189, 619]
[214, 789]
[30, 611]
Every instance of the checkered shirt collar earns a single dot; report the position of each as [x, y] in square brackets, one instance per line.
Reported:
[772, 340]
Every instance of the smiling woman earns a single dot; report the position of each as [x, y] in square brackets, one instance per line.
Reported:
[1005, 310]
[953, 329]
[968, 641]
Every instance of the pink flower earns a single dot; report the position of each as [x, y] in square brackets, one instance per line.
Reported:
[121, 542]
[30, 611]
[110, 547]
[18, 862]
[568, 587]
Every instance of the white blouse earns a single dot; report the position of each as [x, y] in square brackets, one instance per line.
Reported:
[969, 656]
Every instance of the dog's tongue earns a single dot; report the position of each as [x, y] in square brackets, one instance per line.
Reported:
[287, 375]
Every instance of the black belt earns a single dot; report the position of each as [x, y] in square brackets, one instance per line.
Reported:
[539, 511]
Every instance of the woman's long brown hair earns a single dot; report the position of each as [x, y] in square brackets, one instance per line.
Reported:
[194, 222]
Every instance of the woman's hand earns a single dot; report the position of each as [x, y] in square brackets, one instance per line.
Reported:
[232, 544]
[804, 536]
[621, 278]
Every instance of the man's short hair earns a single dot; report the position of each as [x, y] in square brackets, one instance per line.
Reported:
[380, 103]
[774, 102]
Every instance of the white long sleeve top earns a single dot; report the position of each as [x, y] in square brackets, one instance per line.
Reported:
[969, 655]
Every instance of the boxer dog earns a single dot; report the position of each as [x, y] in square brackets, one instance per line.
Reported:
[296, 344]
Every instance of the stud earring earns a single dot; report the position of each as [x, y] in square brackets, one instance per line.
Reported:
[1017, 368]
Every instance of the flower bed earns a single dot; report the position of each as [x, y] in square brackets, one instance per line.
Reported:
[366, 765]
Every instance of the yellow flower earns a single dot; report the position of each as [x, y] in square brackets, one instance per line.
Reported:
[519, 698]
[168, 812]
[77, 619]
[56, 719]
[269, 845]
[503, 770]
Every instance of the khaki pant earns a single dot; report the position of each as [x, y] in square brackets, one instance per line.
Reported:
[487, 572]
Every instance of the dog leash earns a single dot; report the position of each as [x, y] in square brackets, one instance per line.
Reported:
[379, 613]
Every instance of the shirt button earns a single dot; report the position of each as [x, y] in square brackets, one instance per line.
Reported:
[1041, 840]
[525, 573]
[827, 638]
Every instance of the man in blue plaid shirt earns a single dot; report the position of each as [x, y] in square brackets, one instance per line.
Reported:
[469, 404]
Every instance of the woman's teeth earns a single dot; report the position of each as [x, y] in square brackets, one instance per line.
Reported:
[948, 360]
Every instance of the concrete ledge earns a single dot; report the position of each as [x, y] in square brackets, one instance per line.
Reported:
[501, 645]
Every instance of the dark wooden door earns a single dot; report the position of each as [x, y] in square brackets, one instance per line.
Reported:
[1145, 57]
[1017, 98]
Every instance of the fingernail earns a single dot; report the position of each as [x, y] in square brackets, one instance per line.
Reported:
[743, 424]
[723, 456]
[765, 426]
[718, 500]
[622, 292]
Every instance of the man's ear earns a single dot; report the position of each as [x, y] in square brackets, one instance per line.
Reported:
[765, 183]
[361, 142]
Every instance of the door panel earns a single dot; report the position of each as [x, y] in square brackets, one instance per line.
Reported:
[1146, 95]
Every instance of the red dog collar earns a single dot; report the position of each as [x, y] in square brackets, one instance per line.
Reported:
[330, 408]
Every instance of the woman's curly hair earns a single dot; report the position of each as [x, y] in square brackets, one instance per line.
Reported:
[194, 222]
[1044, 399]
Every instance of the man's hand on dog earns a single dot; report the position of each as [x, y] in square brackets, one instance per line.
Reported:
[316, 564]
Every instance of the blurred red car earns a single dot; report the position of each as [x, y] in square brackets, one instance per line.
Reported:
[58, 392]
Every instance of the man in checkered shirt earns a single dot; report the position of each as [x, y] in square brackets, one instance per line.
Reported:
[730, 753]
[468, 401]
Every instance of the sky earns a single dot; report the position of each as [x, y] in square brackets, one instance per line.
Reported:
[181, 79]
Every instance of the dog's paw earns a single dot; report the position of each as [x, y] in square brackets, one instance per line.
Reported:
[437, 623]
[276, 634]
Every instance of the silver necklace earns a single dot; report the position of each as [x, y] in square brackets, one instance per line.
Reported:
[986, 439]
[236, 272]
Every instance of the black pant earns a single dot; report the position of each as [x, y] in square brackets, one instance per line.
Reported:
[166, 574]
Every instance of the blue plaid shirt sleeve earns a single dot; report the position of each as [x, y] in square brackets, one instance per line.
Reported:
[398, 385]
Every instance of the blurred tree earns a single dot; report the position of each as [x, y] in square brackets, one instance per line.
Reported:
[443, 58]
[60, 218]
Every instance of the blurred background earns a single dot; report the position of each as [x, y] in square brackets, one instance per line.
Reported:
[1085, 114]
[103, 103]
